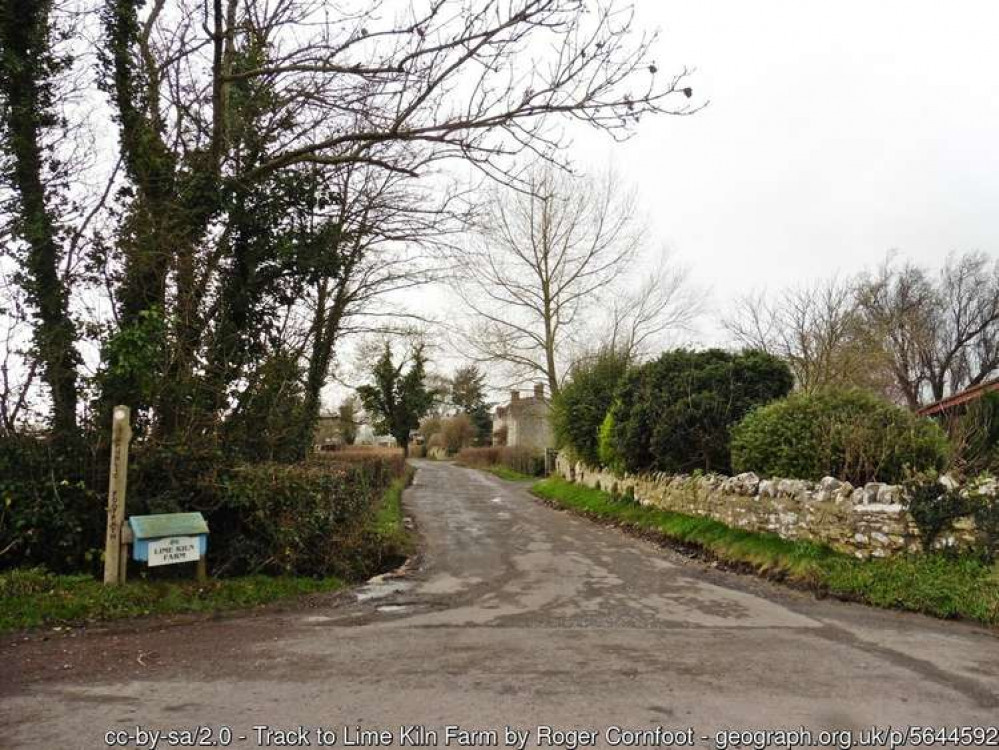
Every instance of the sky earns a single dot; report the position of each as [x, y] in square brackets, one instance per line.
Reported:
[834, 133]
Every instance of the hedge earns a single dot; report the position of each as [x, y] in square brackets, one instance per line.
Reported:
[674, 414]
[522, 460]
[302, 519]
[579, 408]
[51, 505]
[307, 520]
[845, 433]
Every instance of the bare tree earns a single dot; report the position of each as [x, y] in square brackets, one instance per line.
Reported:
[541, 261]
[816, 329]
[643, 310]
[940, 335]
[224, 112]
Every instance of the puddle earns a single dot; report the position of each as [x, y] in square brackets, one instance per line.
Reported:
[313, 619]
[390, 608]
[379, 589]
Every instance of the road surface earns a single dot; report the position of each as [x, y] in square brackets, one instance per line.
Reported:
[520, 615]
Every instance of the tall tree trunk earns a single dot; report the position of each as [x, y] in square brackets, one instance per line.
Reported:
[326, 329]
[167, 218]
[25, 64]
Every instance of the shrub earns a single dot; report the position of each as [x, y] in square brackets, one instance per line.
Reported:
[932, 505]
[674, 414]
[429, 427]
[297, 519]
[606, 451]
[458, 432]
[982, 496]
[974, 436]
[305, 518]
[845, 433]
[389, 462]
[579, 409]
[522, 460]
[50, 513]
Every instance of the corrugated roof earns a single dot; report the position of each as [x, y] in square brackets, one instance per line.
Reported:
[962, 397]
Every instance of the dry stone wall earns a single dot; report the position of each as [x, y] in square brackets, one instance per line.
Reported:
[868, 521]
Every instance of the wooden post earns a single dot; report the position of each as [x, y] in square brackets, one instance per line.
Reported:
[202, 569]
[114, 559]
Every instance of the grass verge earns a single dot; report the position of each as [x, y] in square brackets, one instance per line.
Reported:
[33, 597]
[937, 585]
[388, 518]
[500, 470]
[511, 475]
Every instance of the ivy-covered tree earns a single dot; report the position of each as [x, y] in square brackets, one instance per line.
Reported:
[28, 67]
[276, 172]
[397, 400]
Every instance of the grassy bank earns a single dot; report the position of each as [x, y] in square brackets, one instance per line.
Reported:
[33, 597]
[511, 475]
[388, 520]
[937, 585]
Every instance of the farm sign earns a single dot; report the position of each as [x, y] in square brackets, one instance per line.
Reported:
[176, 549]
[169, 538]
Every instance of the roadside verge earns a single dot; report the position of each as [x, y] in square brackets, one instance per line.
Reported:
[938, 585]
[34, 597]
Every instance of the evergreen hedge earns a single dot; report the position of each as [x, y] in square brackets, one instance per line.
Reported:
[844, 433]
[674, 414]
[580, 407]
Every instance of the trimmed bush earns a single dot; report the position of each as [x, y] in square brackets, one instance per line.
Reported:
[521, 460]
[580, 407]
[844, 433]
[674, 414]
[310, 520]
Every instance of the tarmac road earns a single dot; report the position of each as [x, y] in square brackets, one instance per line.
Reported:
[516, 615]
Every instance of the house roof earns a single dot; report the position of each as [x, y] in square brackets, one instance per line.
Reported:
[959, 398]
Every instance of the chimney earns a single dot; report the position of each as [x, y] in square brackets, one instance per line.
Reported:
[539, 391]
[514, 395]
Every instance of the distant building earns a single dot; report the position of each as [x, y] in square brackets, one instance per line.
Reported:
[328, 436]
[524, 422]
[366, 436]
[957, 403]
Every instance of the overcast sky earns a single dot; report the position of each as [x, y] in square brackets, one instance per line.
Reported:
[835, 132]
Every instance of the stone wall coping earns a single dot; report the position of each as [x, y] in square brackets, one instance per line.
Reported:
[872, 497]
[870, 520]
